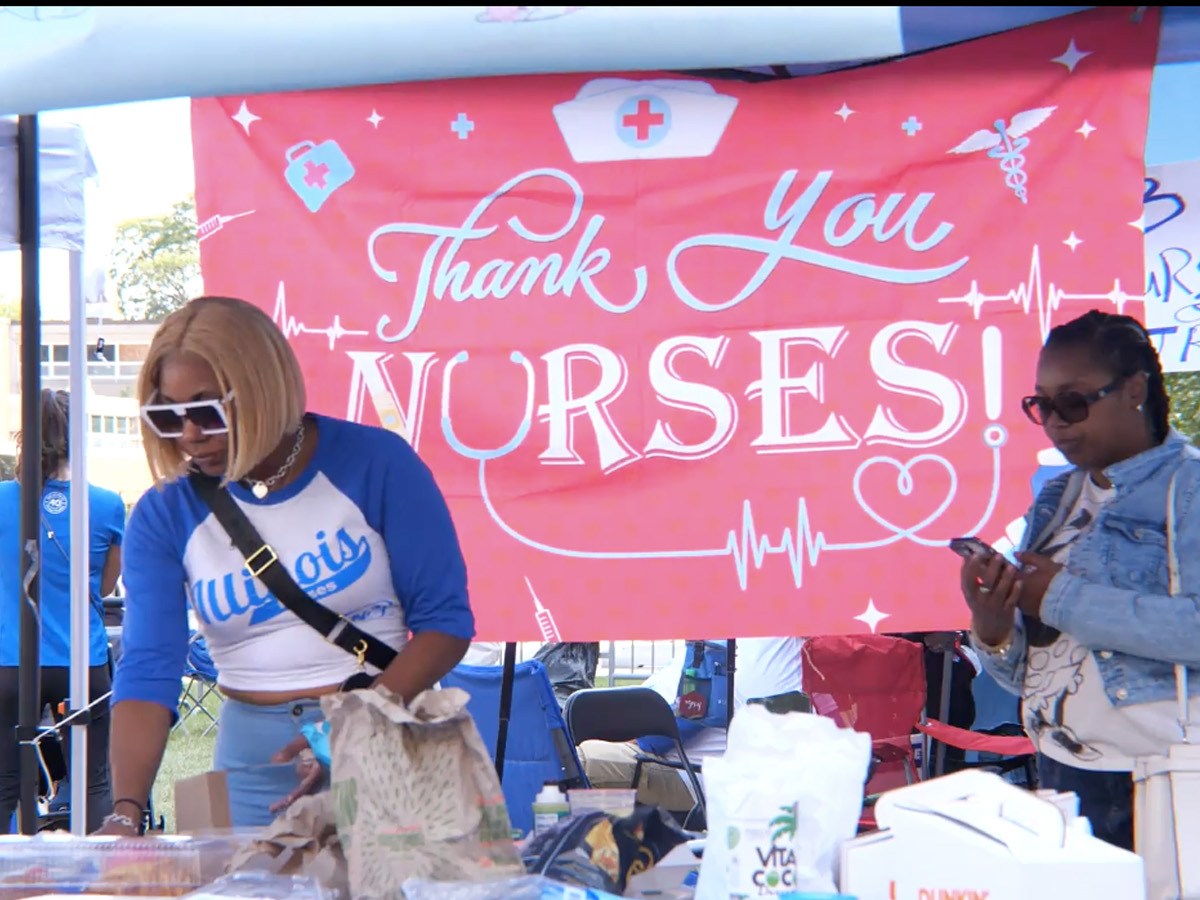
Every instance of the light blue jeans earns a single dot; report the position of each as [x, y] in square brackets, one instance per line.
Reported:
[247, 737]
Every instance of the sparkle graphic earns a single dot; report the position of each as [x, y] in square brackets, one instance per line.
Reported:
[845, 112]
[245, 118]
[1045, 299]
[1071, 56]
[1085, 129]
[1072, 241]
[912, 126]
[291, 326]
[375, 118]
[871, 616]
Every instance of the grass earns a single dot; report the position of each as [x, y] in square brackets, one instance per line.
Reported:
[189, 752]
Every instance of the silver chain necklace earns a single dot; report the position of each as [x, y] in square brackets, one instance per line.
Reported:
[260, 489]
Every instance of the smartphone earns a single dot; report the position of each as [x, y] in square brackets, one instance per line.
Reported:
[966, 547]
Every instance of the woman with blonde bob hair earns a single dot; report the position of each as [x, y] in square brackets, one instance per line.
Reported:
[315, 555]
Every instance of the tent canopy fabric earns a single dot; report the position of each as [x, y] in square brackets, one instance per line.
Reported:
[64, 164]
[72, 56]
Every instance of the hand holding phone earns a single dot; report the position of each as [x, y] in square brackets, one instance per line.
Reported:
[967, 547]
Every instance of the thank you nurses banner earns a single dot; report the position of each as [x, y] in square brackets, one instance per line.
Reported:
[693, 357]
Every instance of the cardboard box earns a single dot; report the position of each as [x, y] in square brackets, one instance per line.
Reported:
[202, 803]
[973, 836]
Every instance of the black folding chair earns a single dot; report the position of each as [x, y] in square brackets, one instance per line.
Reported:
[620, 715]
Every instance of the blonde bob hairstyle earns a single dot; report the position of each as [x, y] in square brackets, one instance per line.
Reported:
[251, 358]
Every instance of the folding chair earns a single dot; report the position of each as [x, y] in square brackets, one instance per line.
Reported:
[537, 748]
[996, 740]
[200, 683]
[874, 684]
[621, 715]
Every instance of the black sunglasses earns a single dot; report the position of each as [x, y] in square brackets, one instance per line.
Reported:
[1070, 406]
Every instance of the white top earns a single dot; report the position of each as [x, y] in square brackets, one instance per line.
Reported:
[363, 530]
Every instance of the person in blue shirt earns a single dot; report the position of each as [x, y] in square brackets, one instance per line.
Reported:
[106, 521]
[353, 516]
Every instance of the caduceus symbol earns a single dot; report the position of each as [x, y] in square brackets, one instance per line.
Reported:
[1007, 144]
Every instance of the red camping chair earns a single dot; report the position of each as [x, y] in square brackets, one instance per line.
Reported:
[1004, 748]
[874, 684]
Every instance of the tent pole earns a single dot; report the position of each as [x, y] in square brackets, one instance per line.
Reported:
[80, 529]
[731, 664]
[507, 677]
[29, 707]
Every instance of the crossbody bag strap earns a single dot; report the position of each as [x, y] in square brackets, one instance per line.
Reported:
[1181, 672]
[263, 563]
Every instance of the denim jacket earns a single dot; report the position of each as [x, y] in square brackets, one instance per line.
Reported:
[1113, 596]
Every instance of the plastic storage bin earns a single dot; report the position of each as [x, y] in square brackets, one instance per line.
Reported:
[159, 866]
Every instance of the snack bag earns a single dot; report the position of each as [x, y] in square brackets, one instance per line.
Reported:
[415, 792]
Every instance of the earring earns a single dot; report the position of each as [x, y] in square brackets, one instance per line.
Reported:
[1141, 407]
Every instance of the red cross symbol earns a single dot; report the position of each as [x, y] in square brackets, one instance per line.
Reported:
[643, 120]
[315, 174]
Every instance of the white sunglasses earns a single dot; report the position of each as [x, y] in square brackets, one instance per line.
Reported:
[167, 420]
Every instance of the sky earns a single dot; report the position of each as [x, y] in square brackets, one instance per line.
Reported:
[143, 154]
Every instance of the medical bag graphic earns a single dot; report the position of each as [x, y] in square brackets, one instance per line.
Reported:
[315, 171]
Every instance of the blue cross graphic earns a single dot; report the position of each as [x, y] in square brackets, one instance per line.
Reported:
[462, 126]
[912, 126]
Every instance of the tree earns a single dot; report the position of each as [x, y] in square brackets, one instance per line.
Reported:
[1184, 390]
[156, 263]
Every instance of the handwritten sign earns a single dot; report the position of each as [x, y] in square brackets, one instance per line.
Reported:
[1171, 223]
[682, 350]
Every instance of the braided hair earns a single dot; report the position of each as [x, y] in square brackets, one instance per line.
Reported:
[55, 450]
[1122, 346]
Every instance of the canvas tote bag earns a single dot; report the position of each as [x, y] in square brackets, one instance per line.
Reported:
[1167, 787]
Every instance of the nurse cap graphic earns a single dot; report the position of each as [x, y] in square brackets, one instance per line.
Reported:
[315, 171]
[614, 119]
[1051, 464]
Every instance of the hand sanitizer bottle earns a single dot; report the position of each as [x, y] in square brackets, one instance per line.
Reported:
[549, 806]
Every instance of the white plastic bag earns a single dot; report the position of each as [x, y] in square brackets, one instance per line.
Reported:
[786, 794]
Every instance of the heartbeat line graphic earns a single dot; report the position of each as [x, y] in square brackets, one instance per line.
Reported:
[290, 326]
[1046, 299]
[802, 544]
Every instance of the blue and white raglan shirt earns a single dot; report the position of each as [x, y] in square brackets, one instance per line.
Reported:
[364, 530]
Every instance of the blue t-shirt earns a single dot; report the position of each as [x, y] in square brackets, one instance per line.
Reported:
[363, 529]
[106, 522]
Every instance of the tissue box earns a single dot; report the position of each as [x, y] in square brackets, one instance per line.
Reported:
[972, 835]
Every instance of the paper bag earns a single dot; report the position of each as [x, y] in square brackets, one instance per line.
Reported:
[303, 840]
[415, 792]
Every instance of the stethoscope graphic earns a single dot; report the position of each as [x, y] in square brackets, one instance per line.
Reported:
[801, 544]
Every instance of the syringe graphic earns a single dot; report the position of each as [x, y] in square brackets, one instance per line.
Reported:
[544, 619]
[211, 226]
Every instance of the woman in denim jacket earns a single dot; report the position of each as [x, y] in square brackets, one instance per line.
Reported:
[1086, 631]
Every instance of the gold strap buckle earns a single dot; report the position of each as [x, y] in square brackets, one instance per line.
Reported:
[359, 650]
[255, 566]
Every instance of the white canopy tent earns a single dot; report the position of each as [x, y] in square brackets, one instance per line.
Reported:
[64, 166]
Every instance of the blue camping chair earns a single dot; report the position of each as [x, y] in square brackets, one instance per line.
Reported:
[538, 748]
[200, 677]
